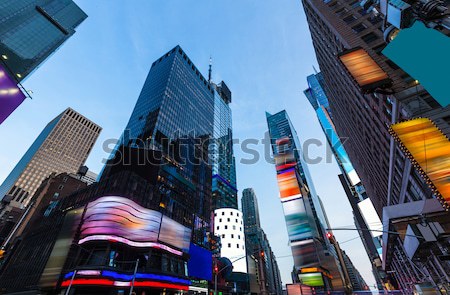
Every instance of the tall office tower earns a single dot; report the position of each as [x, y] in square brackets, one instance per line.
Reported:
[30, 31]
[264, 273]
[356, 279]
[224, 191]
[63, 146]
[351, 182]
[305, 220]
[349, 44]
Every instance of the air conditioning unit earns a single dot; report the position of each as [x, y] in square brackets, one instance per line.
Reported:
[400, 14]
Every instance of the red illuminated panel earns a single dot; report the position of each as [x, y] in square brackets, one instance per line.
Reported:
[106, 282]
[288, 184]
[429, 150]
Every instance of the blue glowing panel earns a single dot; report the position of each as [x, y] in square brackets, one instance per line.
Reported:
[200, 263]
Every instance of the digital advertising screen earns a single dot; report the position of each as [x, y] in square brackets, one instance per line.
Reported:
[297, 221]
[288, 185]
[175, 234]
[200, 263]
[314, 279]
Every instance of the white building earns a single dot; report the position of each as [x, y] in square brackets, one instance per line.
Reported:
[228, 224]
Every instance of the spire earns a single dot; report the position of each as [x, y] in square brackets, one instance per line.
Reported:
[210, 69]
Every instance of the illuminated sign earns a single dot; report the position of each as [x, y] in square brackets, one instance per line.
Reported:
[288, 184]
[297, 220]
[200, 263]
[118, 219]
[10, 95]
[106, 282]
[429, 150]
[366, 72]
[312, 279]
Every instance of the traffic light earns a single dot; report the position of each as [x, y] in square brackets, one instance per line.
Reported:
[261, 253]
[329, 235]
[216, 269]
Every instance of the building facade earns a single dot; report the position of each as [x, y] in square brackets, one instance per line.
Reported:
[356, 279]
[63, 146]
[400, 195]
[264, 273]
[305, 219]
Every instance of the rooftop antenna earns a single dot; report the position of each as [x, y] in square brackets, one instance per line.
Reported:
[315, 70]
[210, 69]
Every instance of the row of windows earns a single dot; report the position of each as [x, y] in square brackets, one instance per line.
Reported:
[232, 236]
[237, 246]
[223, 213]
[226, 227]
[229, 220]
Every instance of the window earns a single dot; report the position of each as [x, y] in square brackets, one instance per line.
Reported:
[232, 236]
[234, 226]
[223, 236]
[239, 237]
[218, 227]
[238, 215]
[223, 213]
[228, 219]
[359, 28]
[229, 245]
[231, 213]
[349, 19]
[61, 187]
[237, 246]
[237, 221]
[369, 38]
[220, 219]
[226, 226]
[65, 179]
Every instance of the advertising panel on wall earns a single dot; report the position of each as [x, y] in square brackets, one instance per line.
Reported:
[297, 221]
[10, 94]
[429, 150]
[288, 185]
[304, 253]
[119, 219]
[200, 263]
[313, 279]
[61, 248]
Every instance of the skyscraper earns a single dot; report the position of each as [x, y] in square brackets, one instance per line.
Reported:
[351, 182]
[63, 146]
[264, 277]
[305, 219]
[224, 191]
[31, 30]
[395, 186]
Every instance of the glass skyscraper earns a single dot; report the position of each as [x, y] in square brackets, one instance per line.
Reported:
[305, 218]
[350, 180]
[31, 30]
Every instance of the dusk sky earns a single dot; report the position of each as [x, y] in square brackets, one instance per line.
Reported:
[261, 49]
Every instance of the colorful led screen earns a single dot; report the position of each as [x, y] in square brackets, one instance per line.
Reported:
[297, 222]
[288, 185]
[119, 219]
[314, 279]
[429, 150]
[364, 69]
[304, 254]
[10, 95]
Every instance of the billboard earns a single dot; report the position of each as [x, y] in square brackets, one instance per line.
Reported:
[119, 219]
[10, 94]
[304, 254]
[288, 185]
[297, 222]
[200, 263]
[313, 279]
[366, 72]
[429, 150]
[430, 49]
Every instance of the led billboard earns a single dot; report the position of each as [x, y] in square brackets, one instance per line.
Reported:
[304, 254]
[297, 220]
[10, 95]
[366, 72]
[429, 150]
[314, 279]
[288, 185]
[121, 220]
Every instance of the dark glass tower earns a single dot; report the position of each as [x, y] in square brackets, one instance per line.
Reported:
[305, 218]
[31, 30]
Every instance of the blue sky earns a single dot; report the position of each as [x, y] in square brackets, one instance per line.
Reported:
[262, 49]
